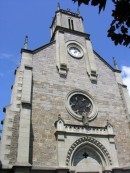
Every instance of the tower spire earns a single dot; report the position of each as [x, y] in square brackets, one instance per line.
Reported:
[26, 42]
[115, 64]
[78, 11]
[58, 6]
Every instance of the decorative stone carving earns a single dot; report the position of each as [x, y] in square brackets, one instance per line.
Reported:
[83, 129]
[60, 123]
[85, 119]
[90, 141]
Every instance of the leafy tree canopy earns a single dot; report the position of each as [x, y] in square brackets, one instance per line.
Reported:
[119, 27]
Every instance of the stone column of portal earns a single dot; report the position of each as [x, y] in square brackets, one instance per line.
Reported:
[61, 54]
[113, 151]
[25, 114]
[60, 135]
[92, 62]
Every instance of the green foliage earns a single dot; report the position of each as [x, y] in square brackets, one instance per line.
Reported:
[119, 28]
[100, 3]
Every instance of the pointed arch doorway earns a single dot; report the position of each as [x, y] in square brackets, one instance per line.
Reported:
[87, 155]
[87, 161]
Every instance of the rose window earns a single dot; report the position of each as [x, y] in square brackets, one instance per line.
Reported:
[80, 104]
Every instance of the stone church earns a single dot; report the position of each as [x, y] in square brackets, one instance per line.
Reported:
[69, 110]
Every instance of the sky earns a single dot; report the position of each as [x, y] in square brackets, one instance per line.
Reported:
[33, 18]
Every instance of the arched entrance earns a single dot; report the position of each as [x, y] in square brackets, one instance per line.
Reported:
[86, 160]
[88, 155]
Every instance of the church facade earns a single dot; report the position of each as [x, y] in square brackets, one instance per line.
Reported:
[69, 110]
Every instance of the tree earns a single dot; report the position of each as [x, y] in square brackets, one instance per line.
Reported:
[119, 28]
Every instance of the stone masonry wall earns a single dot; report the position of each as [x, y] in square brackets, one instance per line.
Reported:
[76, 21]
[48, 101]
[14, 140]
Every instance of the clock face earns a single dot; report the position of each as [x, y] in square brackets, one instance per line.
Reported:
[75, 51]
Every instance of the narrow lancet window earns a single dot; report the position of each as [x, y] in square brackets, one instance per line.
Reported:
[71, 24]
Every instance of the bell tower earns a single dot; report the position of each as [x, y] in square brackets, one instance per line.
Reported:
[64, 23]
[67, 19]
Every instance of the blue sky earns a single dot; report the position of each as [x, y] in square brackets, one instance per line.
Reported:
[33, 18]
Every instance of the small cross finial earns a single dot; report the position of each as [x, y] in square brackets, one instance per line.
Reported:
[58, 5]
[26, 42]
[85, 155]
[115, 64]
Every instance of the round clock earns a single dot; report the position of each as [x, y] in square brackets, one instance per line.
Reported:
[75, 51]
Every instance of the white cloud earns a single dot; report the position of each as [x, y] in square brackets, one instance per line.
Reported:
[126, 76]
[5, 56]
[10, 58]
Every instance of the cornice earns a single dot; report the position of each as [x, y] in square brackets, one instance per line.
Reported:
[62, 29]
[102, 59]
[38, 49]
[67, 12]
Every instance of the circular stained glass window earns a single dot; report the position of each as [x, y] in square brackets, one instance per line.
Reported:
[81, 105]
